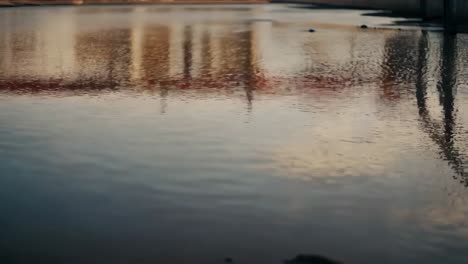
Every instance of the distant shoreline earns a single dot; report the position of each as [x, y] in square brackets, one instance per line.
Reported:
[19, 3]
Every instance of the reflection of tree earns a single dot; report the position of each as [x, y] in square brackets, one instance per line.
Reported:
[442, 133]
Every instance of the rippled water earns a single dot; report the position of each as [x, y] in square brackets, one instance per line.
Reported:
[188, 134]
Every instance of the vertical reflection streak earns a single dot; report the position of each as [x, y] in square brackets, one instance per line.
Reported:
[187, 47]
[447, 84]
[442, 134]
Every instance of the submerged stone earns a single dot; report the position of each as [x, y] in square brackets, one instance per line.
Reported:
[310, 259]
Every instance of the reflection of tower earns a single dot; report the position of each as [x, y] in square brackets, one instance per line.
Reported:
[442, 133]
[421, 84]
[155, 60]
[256, 78]
[247, 69]
[399, 64]
[206, 54]
[155, 53]
[447, 82]
[249, 66]
[176, 39]
[104, 57]
[201, 51]
[187, 51]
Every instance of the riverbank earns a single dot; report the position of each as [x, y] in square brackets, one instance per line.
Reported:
[13, 3]
[4, 3]
[455, 11]
[427, 10]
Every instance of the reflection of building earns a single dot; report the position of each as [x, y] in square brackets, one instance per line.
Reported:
[173, 54]
[104, 55]
[43, 53]
[226, 55]
[5, 43]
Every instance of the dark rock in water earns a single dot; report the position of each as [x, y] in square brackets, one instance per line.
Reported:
[364, 26]
[311, 259]
[228, 260]
[311, 30]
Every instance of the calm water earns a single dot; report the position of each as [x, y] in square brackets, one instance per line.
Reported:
[187, 134]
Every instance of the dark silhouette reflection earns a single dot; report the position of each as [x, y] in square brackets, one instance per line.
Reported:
[399, 66]
[251, 70]
[421, 84]
[188, 50]
[57, 87]
[311, 259]
[442, 133]
[155, 61]
[104, 57]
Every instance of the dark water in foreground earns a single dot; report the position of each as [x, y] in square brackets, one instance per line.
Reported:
[187, 134]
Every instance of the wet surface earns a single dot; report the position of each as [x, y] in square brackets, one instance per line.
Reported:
[196, 134]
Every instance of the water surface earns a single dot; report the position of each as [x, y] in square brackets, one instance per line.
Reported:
[187, 134]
